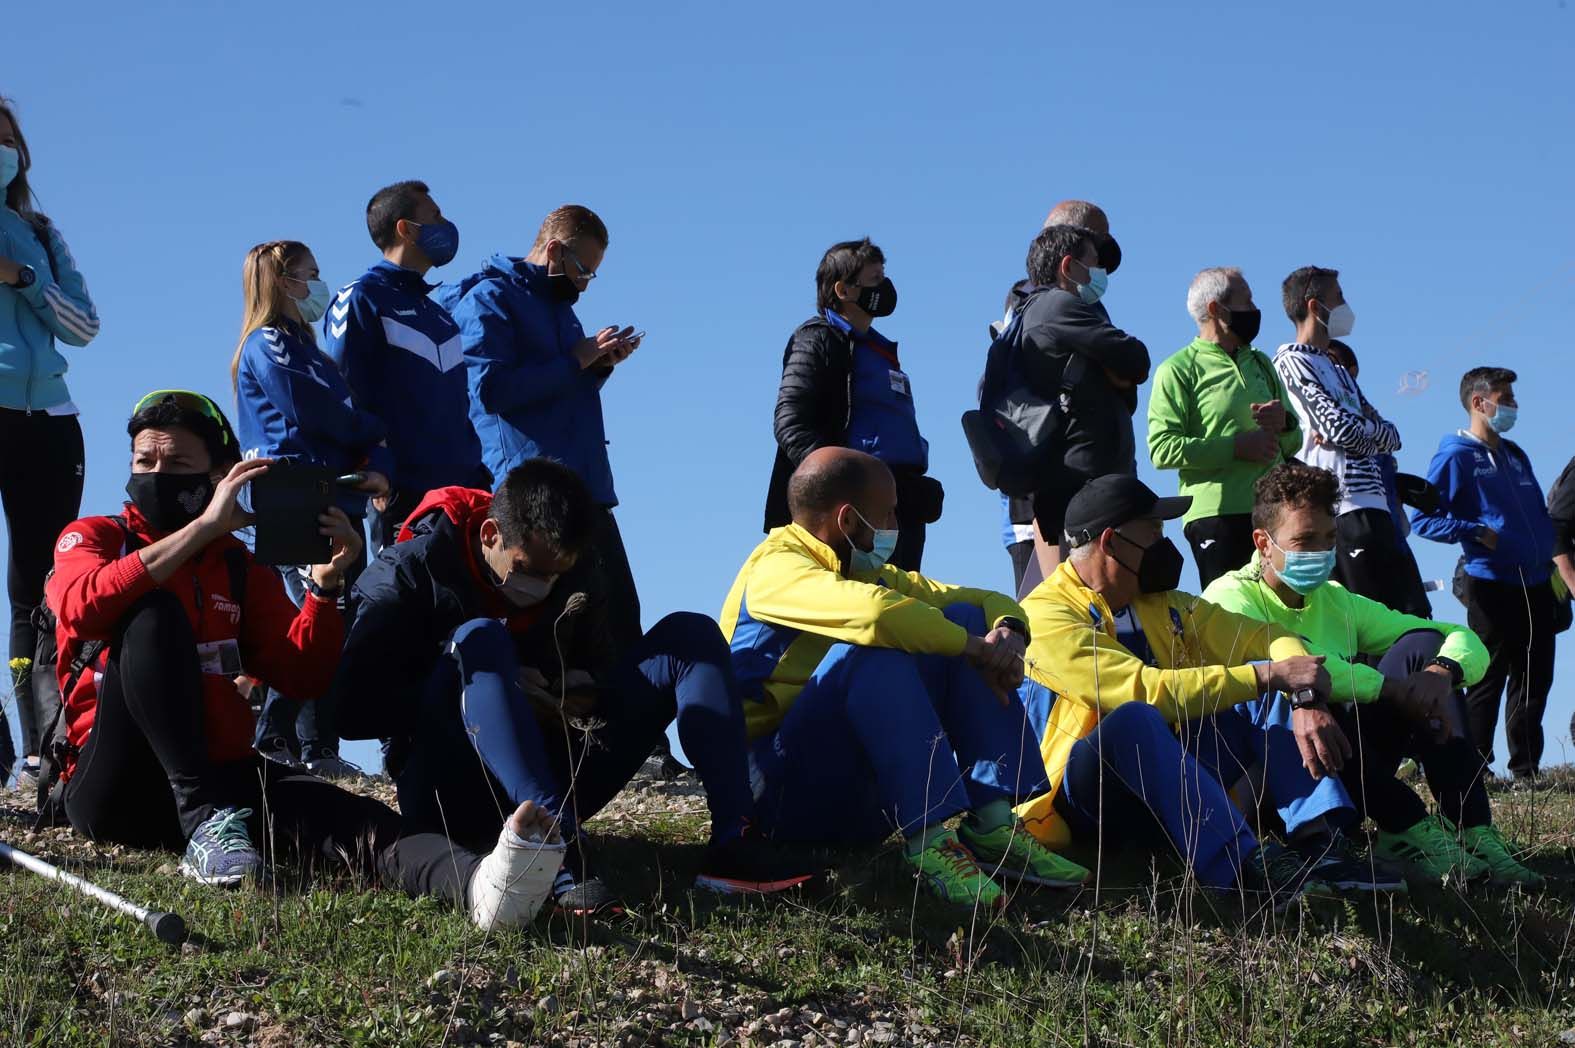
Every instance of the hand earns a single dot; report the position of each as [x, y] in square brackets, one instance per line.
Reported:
[592, 351]
[224, 514]
[1256, 445]
[578, 691]
[1295, 673]
[1323, 745]
[531, 821]
[1487, 537]
[998, 656]
[376, 484]
[1428, 698]
[347, 545]
[10, 271]
[1270, 416]
[621, 347]
[531, 679]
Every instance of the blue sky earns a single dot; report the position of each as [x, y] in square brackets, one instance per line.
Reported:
[1422, 149]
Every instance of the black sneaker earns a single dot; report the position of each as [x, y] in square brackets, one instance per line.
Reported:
[578, 891]
[1337, 863]
[751, 864]
[1280, 873]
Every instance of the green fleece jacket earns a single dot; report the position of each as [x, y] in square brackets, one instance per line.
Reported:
[1341, 625]
[1202, 398]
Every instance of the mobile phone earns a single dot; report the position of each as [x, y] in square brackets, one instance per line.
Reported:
[350, 480]
[287, 500]
[634, 338]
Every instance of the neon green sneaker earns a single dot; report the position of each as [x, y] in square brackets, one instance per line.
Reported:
[1012, 852]
[1431, 852]
[952, 874]
[1490, 848]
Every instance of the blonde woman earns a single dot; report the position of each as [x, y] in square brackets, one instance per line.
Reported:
[292, 403]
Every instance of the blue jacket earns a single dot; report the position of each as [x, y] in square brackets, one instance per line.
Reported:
[292, 403]
[56, 306]
[1496, 489]
[400, 355]
[529, 397]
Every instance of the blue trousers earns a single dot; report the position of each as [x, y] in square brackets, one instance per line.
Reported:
[1149, 786]
[880, 740]
[482, 749]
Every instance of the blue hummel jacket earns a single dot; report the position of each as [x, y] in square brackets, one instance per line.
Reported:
[1493, 488]
[529, 398]
[400, 354]
[292, 403]
[56, 308]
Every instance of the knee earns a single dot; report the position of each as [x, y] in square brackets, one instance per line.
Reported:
[894, 674]
[483, 644]
[689, 635]
[967, 616]
[159, 609]
[1137, 719]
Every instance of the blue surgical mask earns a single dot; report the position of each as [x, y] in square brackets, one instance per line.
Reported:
[315, 304]
[1503, 419]
[1304, 571]
[1094, 290]
[875, 558]
[439, 241]
[10, 164]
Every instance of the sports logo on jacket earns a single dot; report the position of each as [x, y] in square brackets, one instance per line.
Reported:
[445, 356]
[225, 606]
[339, 312]
[69, 541]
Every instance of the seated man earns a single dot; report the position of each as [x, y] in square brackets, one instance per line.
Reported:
[160, 609]
[484, 656]
[1406, 703]
[878, 699]
[1131, 662]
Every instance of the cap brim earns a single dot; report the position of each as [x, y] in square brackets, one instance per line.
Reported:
[1171, 508]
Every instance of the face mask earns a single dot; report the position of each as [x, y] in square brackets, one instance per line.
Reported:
[880, 300]
[439, 241]
[1503, 419]
[878, 554]
[10, 164]
[1304, 571]
[170, 501]
[1094, 290]
[562, 288]
[1244, 324]
[1159, 569]
[315, 303]
[525, 591]
[1341, 321]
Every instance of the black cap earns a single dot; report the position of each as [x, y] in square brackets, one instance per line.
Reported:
[1113, 500]
[1109, 252]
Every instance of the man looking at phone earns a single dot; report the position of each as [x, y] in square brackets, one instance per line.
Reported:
[480, 647]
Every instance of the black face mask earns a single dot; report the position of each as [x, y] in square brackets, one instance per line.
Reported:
[1244, 324]
[880, 300]
[562, 288]
[170, 501]
[1159, 569]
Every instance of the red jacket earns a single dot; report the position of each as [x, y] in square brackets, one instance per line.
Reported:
[96, 582]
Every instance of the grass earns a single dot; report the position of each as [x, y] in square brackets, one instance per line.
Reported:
[1145, 961]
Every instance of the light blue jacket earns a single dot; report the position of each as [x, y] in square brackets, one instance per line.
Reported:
[56, 306]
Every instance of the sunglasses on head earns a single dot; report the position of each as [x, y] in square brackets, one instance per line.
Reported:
[186, 400]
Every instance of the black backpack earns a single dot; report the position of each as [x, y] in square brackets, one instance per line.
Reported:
[1016, 434]
[49, 691]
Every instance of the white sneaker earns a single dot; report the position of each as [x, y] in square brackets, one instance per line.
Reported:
[511, 884]
[335, 767]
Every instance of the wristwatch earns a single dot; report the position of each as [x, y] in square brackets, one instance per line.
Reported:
[1457, 676]
[1305, 698]
[25, 277]
[317, 591]
[1015, 624]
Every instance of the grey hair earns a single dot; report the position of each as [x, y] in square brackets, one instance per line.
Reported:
[1210, 285]
[1078, 554]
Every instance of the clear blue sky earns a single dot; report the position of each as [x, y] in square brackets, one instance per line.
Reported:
[1424, 149]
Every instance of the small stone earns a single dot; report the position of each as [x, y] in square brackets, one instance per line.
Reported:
[241, 1021]
[443, 979]
[548, 1004]
[702, 1025]
[1567, 1037]
[689, 1010]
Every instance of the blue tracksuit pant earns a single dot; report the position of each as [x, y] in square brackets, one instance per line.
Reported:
[482, 750]
[881, 740]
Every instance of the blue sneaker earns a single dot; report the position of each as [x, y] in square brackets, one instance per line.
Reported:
[221, 852]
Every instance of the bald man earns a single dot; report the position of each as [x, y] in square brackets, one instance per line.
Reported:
[881, 700]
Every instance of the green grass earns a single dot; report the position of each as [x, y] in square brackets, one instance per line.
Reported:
[1143, 961]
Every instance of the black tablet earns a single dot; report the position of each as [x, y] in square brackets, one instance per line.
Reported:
[287, 500]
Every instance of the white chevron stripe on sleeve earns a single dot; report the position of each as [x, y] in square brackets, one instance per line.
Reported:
[445, 358]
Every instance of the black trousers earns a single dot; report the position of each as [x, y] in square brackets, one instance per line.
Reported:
[1383, 738]
[144, 778]
[1517, 625]
[1219, 544]
[909, 554]
[612, 563]
[41, 491]
[1372, 559]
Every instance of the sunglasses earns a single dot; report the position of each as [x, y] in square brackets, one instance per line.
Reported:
[186, 400]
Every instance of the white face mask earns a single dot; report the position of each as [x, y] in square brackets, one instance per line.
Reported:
[525, 591]
[1341, 321]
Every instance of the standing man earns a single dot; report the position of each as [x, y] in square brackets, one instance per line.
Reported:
[535, 378]
[401, 356]
[1494, 508]
[1342, 433]
[1217, 414]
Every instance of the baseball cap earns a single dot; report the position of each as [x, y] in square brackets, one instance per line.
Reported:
[1113, 500]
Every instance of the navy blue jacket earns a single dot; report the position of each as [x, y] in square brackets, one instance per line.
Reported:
[1496, 489]
[400, 355]
[529, 397]
[292, 403]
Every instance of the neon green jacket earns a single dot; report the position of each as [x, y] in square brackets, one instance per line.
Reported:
[1341, 625]
[1202, 398]
[791, 603]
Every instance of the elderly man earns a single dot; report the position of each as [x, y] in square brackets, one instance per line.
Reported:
[878, 699]
[1217, 414]
[1121, 662]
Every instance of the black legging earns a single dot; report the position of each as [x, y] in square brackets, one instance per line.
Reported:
[144, 778]
[1383, 738]
[41, 491]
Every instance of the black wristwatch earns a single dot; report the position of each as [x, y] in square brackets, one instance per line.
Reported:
[1304, 699]
[1016, 625]
[317, 591]
[1457, 676]
[25, 277]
